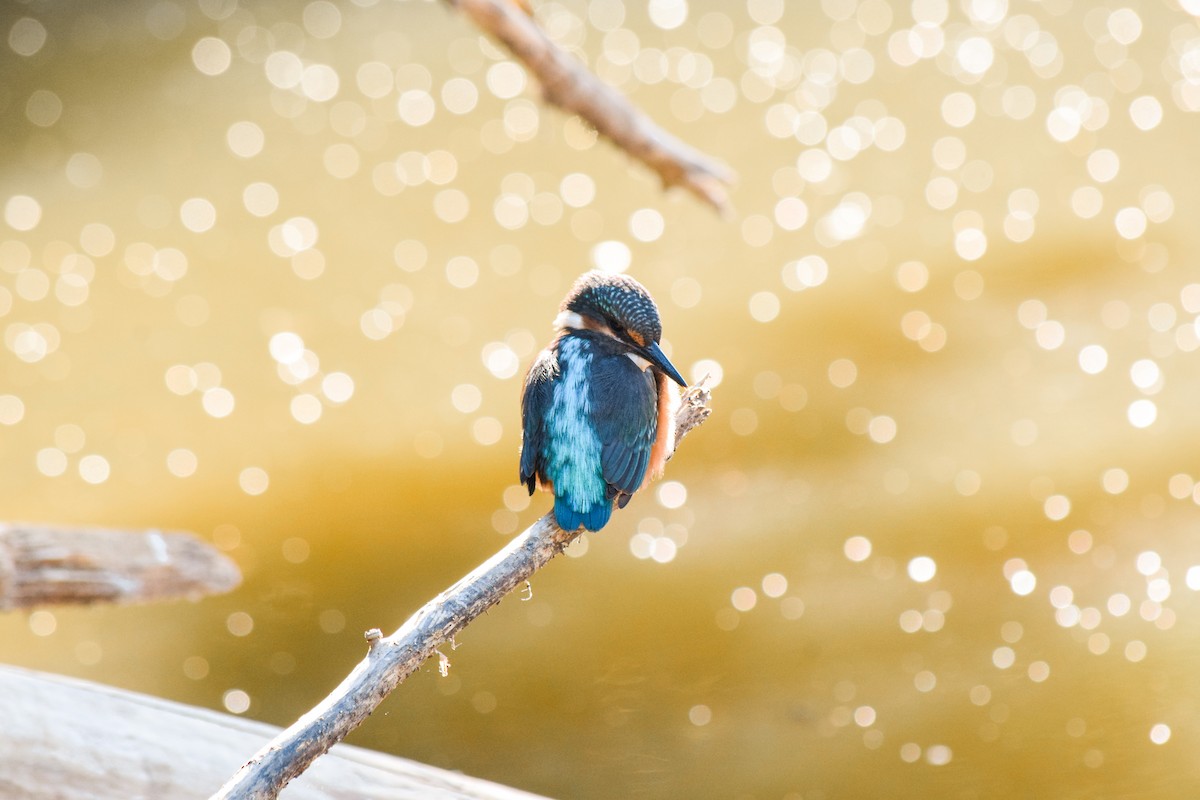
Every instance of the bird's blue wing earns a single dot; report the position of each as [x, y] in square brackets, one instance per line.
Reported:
[535, 405]
[625, 409]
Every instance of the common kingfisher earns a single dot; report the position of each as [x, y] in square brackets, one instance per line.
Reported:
[598, 412]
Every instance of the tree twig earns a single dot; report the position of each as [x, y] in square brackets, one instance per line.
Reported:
[569, 85]
[392, 659]
[42, 565]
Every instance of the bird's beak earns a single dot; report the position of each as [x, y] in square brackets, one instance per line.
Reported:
[659, 359]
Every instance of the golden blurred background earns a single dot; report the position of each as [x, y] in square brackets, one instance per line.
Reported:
[271, 272]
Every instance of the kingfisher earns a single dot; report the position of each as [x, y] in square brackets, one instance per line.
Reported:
[598, 408]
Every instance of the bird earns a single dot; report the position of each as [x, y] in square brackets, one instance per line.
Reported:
[598, 404]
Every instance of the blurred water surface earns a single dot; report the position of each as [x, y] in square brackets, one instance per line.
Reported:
[271, 272]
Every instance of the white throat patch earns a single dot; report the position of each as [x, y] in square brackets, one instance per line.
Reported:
[642, 363]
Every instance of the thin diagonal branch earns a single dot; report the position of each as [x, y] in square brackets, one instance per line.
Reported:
[390, 660]
[569, 85]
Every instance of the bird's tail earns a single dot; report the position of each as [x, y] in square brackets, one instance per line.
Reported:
[593, 518]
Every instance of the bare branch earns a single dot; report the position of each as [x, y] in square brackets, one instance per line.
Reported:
[390, 660]
[569, 85]
[41, 565]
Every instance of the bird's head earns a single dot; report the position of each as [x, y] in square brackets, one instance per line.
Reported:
[620, 307]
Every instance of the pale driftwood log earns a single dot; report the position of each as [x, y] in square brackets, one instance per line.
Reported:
[42, 565]
[69, 739]
[390, 660]
[568, 84]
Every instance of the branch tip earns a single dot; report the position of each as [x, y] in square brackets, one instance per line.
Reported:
[569, 85]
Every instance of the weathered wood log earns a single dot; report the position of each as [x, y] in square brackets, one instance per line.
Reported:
[69, 739]
[568, 84]
[392, 659]
[42, 565]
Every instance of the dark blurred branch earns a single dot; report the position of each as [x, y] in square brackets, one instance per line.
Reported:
[390, 660]
[569, 85]
[51, 566]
